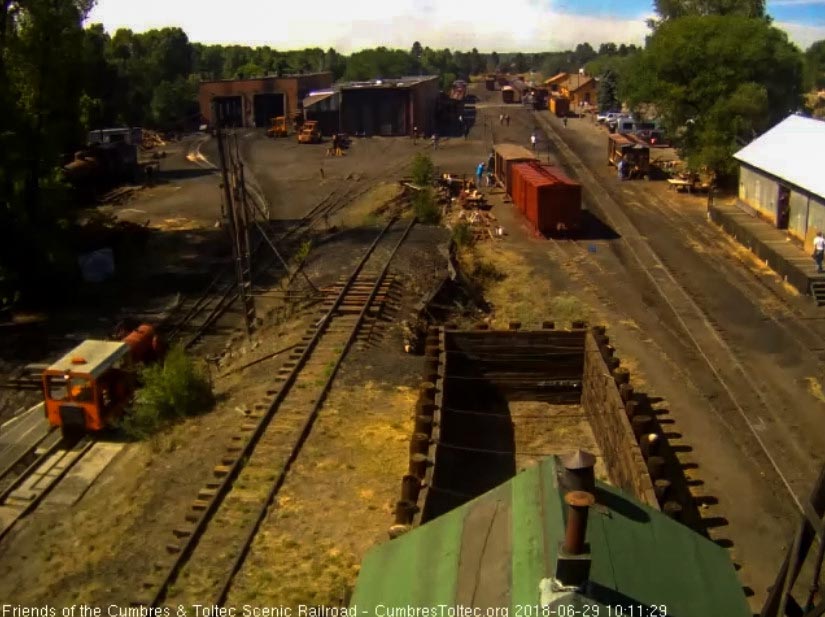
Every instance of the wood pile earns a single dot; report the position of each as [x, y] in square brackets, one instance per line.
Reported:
[151, 140]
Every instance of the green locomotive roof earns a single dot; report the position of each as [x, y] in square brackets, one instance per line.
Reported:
[495, 551]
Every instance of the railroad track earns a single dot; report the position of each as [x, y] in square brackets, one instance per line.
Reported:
[54, 460]
[194, 317]
[738, 402]
[789, 318]
[209, 548]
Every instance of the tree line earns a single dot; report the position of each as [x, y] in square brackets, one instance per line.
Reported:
[716, 72]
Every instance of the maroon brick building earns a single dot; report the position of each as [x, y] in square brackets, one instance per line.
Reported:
[254, 101]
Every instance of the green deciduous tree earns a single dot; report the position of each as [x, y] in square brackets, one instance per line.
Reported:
[380, 62]
[815, 66]
[717, 81]
[674, 9]
[417, 50]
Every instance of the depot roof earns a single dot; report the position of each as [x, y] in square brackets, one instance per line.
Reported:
[793, 151]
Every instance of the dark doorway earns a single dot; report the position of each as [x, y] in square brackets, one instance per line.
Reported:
[266, 107]
[228, 111]
[783, 207]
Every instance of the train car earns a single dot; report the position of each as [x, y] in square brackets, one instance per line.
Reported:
[89, 387]
[560, 106]
[636, 154]
[505, 155]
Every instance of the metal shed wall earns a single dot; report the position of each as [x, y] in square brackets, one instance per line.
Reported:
[798, 221]
[758, 191]
[375, 111]
[816, 220]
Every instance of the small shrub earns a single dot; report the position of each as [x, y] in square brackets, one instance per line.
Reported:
[463, 235]
[303, 252]
[422, 170]
[172, 390]
[485, 272]
[425, 207]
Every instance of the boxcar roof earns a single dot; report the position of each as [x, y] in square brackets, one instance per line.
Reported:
[97, 356]
[514, 151]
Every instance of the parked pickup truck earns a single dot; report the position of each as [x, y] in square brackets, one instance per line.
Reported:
[608, 116]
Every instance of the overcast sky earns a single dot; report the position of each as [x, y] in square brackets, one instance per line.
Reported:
[349, 25]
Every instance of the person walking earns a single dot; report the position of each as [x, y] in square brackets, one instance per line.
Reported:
[479, 174]
[507, 119]
[620, 168]
[533, 140]
[435, 141]
[564, 121]
[415, 135]
[819, 250]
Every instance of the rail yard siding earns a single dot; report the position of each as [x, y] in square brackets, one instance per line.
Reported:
[605, 410]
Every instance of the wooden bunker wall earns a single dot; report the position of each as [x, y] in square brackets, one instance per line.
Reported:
[603, 403]
[622, 428]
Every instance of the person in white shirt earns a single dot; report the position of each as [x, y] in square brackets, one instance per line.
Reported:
[533, 140]
[819, 250]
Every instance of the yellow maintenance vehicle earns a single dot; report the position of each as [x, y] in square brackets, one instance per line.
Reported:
[309, 133]
[278, 128]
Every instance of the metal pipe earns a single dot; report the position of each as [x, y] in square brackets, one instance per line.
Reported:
[576, 530]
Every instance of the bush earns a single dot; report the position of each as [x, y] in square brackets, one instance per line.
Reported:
[463, 235]
[485, 272]
[426, 209]
[422, 170]
[175, 389]
[303, 252]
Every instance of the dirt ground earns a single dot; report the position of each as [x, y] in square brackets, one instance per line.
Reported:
[105, 545]
[750, 309]
[337, 501]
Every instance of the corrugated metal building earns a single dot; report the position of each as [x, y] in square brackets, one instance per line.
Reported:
[254, 101]
[390, 106]
[782, 177]
[502, 551]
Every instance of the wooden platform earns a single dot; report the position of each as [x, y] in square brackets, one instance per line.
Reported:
[772, 245]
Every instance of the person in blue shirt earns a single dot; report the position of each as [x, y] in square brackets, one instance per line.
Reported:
[479, 174]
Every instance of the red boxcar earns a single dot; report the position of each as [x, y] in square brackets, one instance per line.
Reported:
[517, 187]
[550, 200]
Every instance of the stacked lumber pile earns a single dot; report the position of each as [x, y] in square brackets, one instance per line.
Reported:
[151, 140]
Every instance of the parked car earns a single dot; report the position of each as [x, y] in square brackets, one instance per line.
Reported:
[605, 116]
[622, 123]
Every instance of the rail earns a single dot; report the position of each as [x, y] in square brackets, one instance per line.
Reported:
[51, 468]
[157, 590]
